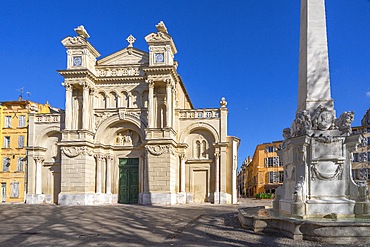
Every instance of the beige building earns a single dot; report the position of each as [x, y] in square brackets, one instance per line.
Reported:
[130, 133]
[361, 157]
[242, 178]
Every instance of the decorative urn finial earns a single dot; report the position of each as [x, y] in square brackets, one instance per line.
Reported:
[223, 102]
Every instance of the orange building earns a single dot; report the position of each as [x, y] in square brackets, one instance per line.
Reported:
[265, 172]
[13, 143]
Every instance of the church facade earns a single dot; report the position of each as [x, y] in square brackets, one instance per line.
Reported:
[129, 133]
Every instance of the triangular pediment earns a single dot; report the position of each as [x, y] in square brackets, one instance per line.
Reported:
[126, 56]
[158, 37]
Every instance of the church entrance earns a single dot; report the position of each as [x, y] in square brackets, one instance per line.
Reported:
[200, 186]
[128, 180]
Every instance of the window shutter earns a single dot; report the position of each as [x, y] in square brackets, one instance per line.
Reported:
[20, 164]
[266, 161]
[6, 164]
[15, 189]
[276, 177]
[20, 141]
[8, 120]
[22, 121]
[5, 161]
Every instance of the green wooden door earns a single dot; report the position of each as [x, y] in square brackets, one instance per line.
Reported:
[128, 181]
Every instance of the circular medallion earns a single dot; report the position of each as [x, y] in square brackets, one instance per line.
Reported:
[325, 120]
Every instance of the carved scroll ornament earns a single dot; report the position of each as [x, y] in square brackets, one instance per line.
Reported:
[72, 152]
[100, 117]
[160, 149]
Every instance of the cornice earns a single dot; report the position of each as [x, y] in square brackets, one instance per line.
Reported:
[79, 42]
[77, 73]
[164, 70]
[117, 80]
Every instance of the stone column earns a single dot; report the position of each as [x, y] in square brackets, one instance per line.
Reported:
[145, 170]
[92, 106]
[217, 172]
[234, 183]
[85, 107]
[168, 103]
[103, 173]
[39, 160]
[68, 112]
[222, 169]
[98, 172]
[151, 104]
[108, 186]
[183, 175]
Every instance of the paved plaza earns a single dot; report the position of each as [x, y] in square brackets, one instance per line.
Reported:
[132, 225]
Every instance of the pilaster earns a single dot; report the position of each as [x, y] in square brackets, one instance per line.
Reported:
[39, 161]
[68, 110]
[108, 186]
[150, 103]
[85, 106]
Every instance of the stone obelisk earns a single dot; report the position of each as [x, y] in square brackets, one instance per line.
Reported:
[313, 79]
[316, 152]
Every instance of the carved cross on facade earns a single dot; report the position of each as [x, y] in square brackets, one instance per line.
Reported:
[131, 40]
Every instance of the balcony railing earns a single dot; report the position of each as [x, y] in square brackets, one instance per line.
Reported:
[201, 113]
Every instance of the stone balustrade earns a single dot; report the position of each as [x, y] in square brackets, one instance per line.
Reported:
[200, 113]
[119, 71]
[47, 118]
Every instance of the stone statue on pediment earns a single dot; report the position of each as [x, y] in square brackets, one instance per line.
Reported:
[161, 27]
[81, 31]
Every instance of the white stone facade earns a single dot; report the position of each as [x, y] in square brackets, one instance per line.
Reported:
[130, 133]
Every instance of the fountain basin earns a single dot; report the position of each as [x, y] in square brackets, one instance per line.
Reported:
[327, 230]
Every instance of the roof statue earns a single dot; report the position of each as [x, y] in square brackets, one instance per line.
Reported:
[161, 27]
[81, 31]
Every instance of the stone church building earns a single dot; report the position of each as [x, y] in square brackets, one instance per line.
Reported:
[129, 133]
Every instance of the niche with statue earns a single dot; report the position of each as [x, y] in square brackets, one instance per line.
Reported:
[127, 137]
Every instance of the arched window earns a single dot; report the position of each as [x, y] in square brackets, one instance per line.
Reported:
[197, 149]
[145, 99]
[101, 101]
[204, 149]
[136, 100]
[113, 100]
[124, 99]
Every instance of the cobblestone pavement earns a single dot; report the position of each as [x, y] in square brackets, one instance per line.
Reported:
[132, 225]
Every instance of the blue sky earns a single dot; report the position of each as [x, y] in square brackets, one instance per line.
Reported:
[244, 50]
